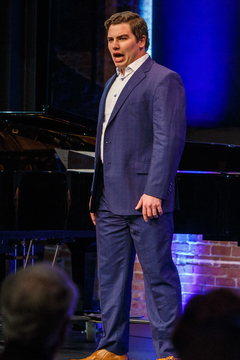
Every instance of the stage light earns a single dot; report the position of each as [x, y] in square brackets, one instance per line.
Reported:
[145, 10]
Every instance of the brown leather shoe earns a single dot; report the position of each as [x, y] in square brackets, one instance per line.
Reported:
[103, 354]
[169, 358]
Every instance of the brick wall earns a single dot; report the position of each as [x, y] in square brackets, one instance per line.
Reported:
[202, 265]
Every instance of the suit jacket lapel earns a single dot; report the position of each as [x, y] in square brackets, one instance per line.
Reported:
[103, 99]
[136, 78]
[102, 106]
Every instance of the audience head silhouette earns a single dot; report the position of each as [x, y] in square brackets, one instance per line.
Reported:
[36, 304]
[210, 327]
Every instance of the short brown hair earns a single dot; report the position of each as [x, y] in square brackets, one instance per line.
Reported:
[137, 24]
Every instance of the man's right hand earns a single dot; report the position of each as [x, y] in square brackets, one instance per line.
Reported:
[93, 217]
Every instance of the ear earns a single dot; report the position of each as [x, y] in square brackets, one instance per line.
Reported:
[142, 42]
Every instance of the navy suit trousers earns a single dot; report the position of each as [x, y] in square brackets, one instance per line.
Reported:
[119, 238]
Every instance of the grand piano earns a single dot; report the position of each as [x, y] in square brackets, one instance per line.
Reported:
[41, 198]
[28, 150]
[207, 178]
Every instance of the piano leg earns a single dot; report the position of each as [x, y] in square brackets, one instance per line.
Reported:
[83, 272]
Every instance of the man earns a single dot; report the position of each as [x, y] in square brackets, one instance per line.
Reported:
[36, 305]
[140, 139]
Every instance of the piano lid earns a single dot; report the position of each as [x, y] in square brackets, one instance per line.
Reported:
[210, 157]
[219, 135]
[51, 126]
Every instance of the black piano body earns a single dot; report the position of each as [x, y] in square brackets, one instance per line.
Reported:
[208, 187]
[28, 159]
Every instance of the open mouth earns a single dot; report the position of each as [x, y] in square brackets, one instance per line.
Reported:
[118, 57]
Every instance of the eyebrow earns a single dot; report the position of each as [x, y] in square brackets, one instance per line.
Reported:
[119, 36]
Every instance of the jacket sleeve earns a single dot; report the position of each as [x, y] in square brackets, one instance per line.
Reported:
[169, 131]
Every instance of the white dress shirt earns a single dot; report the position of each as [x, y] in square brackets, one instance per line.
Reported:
[115, 91]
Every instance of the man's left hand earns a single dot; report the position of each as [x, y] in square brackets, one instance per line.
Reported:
[151, 206]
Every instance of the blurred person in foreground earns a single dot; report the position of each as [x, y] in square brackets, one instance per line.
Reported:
[210, 327]
[140, 140]
[36, 305]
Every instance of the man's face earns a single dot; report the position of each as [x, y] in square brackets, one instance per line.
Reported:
[123, 45]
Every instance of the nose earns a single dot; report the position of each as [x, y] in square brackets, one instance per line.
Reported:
[115, 44]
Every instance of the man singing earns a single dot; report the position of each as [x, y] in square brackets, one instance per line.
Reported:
[140, 139]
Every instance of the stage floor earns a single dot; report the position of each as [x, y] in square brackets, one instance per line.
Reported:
[141, 348]
[76, 345]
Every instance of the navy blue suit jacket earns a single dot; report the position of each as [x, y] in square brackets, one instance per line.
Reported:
[144, 140]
